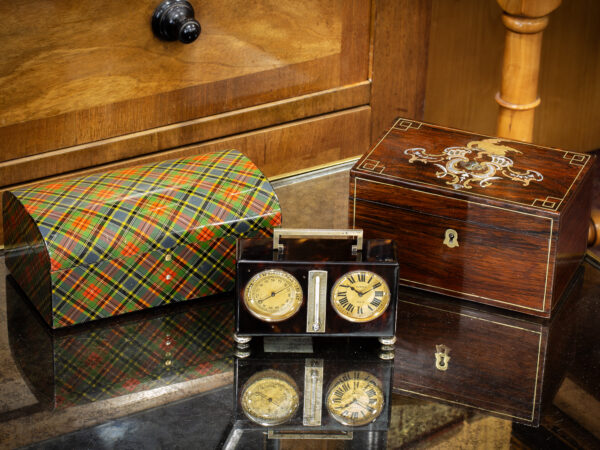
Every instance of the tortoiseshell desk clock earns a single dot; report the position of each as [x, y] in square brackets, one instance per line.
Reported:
[307, 282]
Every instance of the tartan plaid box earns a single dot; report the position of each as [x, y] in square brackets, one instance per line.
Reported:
[129, 239]
[140, 352]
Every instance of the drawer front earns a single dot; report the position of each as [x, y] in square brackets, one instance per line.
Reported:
[453, 257]
[277, 150]
[469, 360]
[78, 72]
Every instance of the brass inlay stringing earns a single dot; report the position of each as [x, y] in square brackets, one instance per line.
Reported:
[579, 158]
[442, 357]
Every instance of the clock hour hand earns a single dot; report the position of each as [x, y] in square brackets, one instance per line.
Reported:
[360, 294]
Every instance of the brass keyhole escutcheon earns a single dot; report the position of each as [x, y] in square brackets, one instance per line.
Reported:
[442, 357]
[451, 238]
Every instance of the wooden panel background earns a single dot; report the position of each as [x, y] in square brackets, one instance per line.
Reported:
[74, 72]
[464, 70]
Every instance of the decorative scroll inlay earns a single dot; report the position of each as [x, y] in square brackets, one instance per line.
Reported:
[479, 162]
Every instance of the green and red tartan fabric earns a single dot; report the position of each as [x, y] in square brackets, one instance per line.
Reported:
[138, 237]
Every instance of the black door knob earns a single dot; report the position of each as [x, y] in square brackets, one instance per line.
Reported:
[173, 20]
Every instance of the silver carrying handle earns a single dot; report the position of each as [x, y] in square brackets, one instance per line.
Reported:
[302, 233]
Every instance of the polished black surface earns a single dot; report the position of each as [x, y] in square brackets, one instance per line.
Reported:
[150, 391]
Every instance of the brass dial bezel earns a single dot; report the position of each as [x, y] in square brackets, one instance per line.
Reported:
[356, 379]
[341, 310]
[251, 303]
[270, 376]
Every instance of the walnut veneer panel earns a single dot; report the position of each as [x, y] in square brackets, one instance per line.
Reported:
[29, 168]
[76, 71]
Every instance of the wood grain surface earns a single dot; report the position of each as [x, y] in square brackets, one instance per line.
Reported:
[559, 172]
[52, 163]
[525, 22]
[91, 72]
[399, 61]
[533, 353]
[478, 269]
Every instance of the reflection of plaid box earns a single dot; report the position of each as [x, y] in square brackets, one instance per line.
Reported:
[142, 352]
[106, 244]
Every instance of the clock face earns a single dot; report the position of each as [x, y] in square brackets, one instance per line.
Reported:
[355, 398]
[273, 295]
[270, 397]
[360, 296]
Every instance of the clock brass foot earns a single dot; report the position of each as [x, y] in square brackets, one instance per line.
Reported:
[386, 355]
[241, 339]
[242, 353]
[387, 340]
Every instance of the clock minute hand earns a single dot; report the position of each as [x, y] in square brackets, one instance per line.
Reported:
[371, 409]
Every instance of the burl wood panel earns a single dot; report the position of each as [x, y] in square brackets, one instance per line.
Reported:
[76, 72]
[276, 150]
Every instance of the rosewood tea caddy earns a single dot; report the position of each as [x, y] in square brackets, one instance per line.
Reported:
[485, 219]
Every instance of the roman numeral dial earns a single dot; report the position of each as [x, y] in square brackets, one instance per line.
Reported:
[360, 296]
[355, 398]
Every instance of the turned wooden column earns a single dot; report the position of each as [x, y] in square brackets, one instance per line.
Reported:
[525, 21]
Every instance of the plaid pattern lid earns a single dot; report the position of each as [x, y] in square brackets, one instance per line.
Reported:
[157, 206]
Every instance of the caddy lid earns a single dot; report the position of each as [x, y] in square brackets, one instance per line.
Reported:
[130, 211]
[481, 168]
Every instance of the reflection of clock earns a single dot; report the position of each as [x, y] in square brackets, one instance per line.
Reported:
[273, 295]
[270, 397]
[355, 398]
[360, 296]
